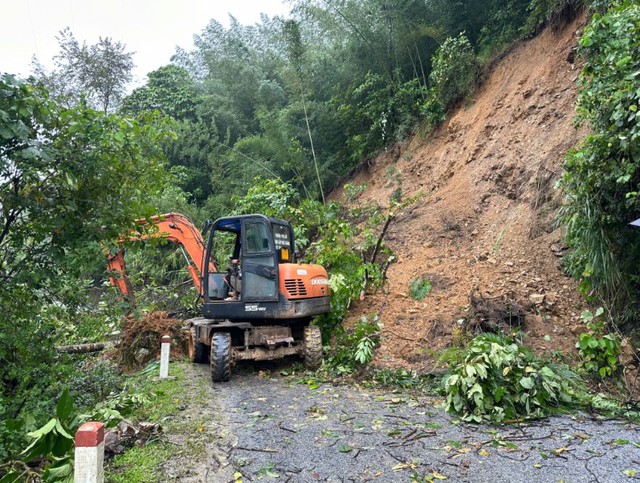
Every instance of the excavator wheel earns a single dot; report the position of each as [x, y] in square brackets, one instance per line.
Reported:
[197, 350]
[220, 361]
[312, 347]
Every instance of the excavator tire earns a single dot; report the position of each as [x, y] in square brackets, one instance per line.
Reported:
[197, 350]
[312, 347]
[220, 361]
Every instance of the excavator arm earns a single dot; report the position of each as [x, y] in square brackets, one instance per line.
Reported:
[175, 228]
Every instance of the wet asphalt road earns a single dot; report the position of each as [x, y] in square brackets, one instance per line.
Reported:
[274, 428]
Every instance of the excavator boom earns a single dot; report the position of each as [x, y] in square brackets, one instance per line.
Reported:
[175, 228]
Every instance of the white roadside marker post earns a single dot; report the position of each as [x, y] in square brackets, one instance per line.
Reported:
[89, 453]
[164, 356]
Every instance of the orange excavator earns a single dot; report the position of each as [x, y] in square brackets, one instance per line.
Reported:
[261, 307]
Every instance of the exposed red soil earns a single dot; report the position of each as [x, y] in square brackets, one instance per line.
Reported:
[485, 222]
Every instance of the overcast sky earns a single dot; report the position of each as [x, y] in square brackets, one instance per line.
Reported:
[150, 28]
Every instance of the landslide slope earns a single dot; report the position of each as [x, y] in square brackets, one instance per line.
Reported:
[483, 233]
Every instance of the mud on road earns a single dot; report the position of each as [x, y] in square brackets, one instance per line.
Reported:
[263, 426]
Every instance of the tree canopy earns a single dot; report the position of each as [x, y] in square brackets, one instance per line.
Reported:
[70, 179]
[98, 73]
[307, 98]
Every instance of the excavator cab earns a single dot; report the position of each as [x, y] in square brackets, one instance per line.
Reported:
[251, 246]
[261, 281]
[260, 307]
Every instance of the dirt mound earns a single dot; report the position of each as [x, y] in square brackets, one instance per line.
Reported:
[140, 341]
[485, 221]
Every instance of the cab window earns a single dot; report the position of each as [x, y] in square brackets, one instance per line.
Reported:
[257, 238]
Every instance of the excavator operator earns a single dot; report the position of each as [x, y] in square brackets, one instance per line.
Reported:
[233, 277]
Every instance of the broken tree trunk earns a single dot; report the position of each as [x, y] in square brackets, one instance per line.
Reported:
[85, 348]
[365, 282]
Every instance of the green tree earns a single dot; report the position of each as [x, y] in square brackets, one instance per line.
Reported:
[195, 153]
[169, 89]
[456, 16]
[504, 25]
[192, 152]
[296, 52]
[70, 178]
[99, 72]
[455, 71]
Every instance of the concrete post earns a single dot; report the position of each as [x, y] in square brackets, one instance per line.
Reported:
[164, 356]
[89, 453]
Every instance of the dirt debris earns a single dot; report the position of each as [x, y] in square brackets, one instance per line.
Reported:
[128, 434]
[486, 219]
[501, 314]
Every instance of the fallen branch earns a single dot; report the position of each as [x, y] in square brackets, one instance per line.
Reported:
[410, 339]
[258, 449]
[284, 428]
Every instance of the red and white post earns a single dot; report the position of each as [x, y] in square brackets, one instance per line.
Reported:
[164, 356]
[89, 454]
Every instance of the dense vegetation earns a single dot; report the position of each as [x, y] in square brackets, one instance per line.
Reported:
[603, 174]
[71, 179]
[499, 379]
[268, 118]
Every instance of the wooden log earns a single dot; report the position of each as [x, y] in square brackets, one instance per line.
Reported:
[85, 348]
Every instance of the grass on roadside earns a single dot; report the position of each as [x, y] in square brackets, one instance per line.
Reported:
[166, 396]
[166, 399]
[139, 464]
